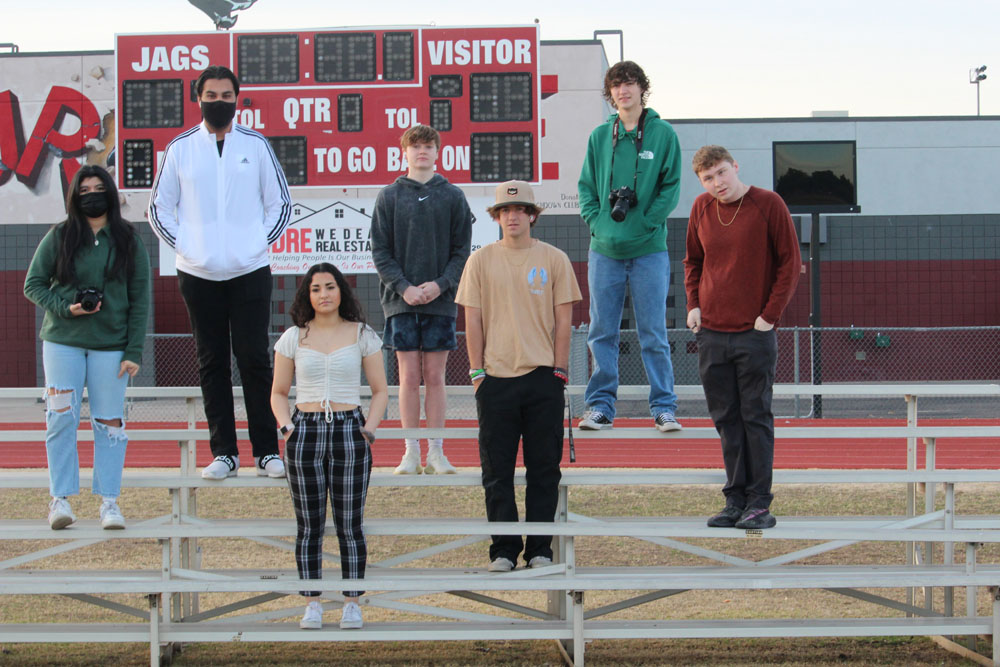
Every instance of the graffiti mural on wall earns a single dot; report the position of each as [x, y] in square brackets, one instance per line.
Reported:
[56, 113]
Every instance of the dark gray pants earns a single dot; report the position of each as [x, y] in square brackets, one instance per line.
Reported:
[737, 373]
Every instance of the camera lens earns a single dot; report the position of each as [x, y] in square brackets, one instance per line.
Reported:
[621, 199]
[89, 299]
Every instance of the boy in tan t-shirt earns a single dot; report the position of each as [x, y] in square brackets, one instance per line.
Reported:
[518, 295]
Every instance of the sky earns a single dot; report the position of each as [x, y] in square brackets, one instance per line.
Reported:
[721, 59]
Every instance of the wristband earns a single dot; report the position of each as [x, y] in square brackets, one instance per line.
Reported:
[561, 374]
[476, 372]
[286, 429]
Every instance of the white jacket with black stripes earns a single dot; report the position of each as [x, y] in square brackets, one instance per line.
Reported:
[219, 213]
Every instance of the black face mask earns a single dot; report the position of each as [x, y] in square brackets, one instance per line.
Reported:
[218, 114]
[94, 204]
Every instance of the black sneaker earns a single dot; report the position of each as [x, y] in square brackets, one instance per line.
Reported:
[727, 518]
[594, 420]
[756, 519]
[666, 422]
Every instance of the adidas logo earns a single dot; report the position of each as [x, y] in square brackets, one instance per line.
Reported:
[244, 161]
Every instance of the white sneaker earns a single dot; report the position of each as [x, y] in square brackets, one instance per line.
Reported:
[410, 465]
[270, 466]
[222, 467]
[111, 516]
[350, 619]
[60, 514]
[539, 561]
[501, 564]
[313, 618]
[438, 463]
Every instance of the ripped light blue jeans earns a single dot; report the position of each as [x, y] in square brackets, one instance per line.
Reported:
[71, 368]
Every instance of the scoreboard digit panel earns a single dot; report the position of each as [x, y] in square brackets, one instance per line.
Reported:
[501, 96]
[445, 85]
[397, 56]
[349, 112]
[333, 103]
[501, 156]
[268, 59]
[291, 154]
[345, 56]
[149, 104]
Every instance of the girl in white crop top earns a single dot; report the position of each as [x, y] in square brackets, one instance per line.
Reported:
[327, 438]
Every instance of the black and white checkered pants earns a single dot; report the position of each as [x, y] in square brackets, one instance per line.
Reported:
[329, 458]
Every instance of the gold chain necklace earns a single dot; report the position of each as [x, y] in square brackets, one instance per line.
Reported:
[719, 214]
[509, 254]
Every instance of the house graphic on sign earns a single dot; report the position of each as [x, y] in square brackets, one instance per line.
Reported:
[334, 232]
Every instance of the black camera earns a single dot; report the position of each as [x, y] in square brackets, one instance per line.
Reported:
[89, 298]
[621, 200]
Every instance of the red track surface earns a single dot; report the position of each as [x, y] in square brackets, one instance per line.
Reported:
[967, 453]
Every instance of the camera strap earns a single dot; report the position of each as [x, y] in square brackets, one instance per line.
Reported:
[638, 149]
[107, 266]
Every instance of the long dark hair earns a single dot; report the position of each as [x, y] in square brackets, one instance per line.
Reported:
[302, 311]
[75, 230]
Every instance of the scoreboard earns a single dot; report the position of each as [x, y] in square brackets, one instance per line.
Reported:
[334, 102]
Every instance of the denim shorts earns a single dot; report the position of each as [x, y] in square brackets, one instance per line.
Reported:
[411, 332]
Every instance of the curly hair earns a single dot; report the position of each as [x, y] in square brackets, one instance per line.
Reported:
[302, 312]
[624, 72]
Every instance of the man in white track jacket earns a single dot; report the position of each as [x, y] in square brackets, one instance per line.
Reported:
[219, 200]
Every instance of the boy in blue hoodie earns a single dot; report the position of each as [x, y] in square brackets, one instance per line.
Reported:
[629, 184]
[421, 237]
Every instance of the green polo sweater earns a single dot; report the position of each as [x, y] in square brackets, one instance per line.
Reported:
[120, 324]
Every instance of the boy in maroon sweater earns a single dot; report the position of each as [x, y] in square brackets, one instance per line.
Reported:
[740, 272]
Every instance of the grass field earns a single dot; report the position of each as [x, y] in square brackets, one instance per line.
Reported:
[467, 502]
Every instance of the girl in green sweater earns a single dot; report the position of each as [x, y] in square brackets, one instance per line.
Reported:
[91, 275]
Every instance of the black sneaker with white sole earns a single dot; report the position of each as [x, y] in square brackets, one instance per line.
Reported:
[665, 422]
[594, 420]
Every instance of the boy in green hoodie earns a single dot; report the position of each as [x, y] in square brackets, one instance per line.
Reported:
[629, 184]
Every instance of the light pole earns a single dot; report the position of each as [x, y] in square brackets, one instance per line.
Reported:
[975, 76]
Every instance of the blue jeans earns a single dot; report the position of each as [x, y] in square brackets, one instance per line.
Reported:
[647, 278]
[70, 368]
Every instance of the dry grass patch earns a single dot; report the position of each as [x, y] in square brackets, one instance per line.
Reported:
[401, 502]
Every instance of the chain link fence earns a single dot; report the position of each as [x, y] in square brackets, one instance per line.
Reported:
[828, 355]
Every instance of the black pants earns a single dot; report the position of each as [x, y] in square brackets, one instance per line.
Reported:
[737, 373]
[239, 310]
[528, 408]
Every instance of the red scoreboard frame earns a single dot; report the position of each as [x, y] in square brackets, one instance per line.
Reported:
[334, 102]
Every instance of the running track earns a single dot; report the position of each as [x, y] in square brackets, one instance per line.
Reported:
[888, 453]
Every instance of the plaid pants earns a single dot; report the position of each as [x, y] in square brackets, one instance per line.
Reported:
[329, 458]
